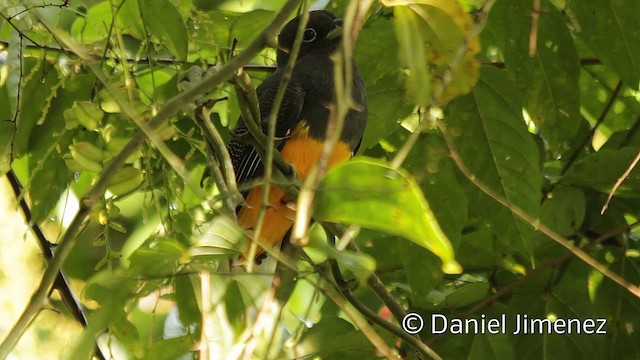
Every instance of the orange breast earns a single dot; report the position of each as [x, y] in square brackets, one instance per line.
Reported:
[302, 151]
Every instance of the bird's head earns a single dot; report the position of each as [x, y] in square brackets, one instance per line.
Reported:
[323, 31]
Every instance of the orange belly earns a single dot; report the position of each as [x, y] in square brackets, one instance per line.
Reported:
[302, 152]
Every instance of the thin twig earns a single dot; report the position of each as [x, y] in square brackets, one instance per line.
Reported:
[250, 110]
[220, 165]
[22, 34]
[533, 32]
[621, 179]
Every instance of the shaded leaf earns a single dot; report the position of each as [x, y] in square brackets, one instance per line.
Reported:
[564, 210]
[334, 338]
[387, 107]
[601, 170]
[548, 80]
[609, 28]
[493, 141]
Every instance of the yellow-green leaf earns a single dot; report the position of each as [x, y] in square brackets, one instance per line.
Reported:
[370, 193]
[430, 34]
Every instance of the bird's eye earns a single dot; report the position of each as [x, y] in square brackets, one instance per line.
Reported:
[309, 35]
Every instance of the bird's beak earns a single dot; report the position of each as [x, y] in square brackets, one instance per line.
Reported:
[337, 30]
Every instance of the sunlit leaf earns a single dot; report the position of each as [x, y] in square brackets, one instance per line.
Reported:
[161, 259]
[368, 192]
[430, 34]
[165, 22]
[41, 82]
[221, 237]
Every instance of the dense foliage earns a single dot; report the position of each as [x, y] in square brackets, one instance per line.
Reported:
[497, 176]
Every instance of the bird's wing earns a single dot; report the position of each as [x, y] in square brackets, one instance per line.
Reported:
[246, 162]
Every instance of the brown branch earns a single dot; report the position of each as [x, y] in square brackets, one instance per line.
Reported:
[619, 182]
[533, 32]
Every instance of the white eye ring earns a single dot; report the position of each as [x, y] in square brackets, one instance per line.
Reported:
[310, 35]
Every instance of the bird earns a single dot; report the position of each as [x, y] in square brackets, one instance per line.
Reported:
[301, 122]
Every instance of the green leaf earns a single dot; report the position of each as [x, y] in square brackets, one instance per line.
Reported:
[492, 139]
[564, 209]
[222, 237]
[40, 82]
[376, 51]
[476, 252]
[478, 345]
[219, 28]
[112, 290]
[556, 295]
[161, 259]
[165, 22]
[186, 299]
[170, 348]
[466, 295]
[95, 25]
[430, 165]
[6, 131]
[47, 144]
[596, 86]
[360, 263]
[387, 107]
[548, 80]
[422, 271]
[369, 193]
[126, 180]
[430, 33]
[334, 338]
[601, 170]
[617, 305]
[609, 27]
